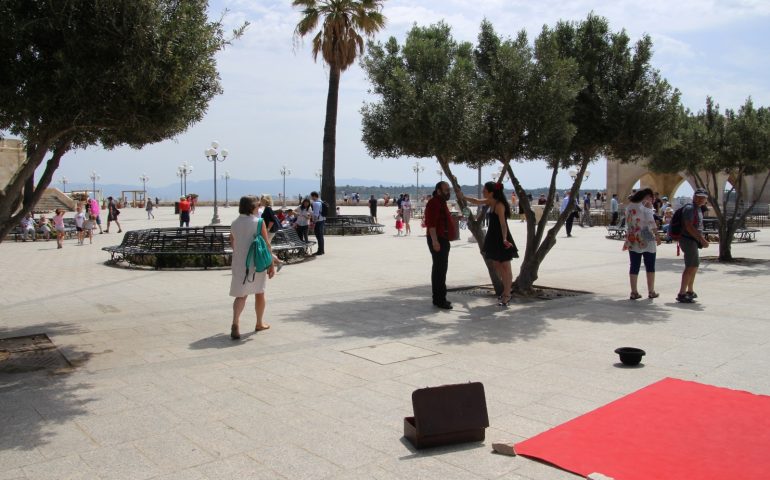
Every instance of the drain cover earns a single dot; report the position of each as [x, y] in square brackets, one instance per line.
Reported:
[541, 293]
[30, 353]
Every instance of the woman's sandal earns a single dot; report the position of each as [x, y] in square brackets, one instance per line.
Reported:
[263, 327]
[634, 296]
[234, 333]
[505, 303]
[653, 294]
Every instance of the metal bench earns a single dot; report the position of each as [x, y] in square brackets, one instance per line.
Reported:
[204, 247]
[288, 246]
[352, 225]
[617, 232]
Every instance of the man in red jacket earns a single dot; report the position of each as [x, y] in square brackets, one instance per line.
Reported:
[441, 229]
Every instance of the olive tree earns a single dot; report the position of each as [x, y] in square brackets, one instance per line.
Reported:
[429, 105]
[711, 145]
[80, 73]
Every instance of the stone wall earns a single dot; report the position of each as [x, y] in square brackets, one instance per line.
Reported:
[12, 156]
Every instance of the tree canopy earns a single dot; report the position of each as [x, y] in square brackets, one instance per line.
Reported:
[81, 73]
[713, 147]
[578, 92]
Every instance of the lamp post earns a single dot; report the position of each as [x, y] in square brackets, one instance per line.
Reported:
[180, 175]
[226, 178]
[64, 183]
[184, 170]
[417, 168]
[213, 155]
[320, 174]
[94, 177]
[144, 179]
[574, 174]
[284, 172]
[440, 174]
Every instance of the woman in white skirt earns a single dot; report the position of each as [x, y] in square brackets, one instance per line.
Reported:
[242, 234]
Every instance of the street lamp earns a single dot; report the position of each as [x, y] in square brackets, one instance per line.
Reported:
[440, 174]
[226, 178]
[144, 179]
[320, 174]
[213, 155]
[64, 183]
[417, 168]
[184, 170]
[574, 174]
[284, 172]
[180, 175]
[94, 177]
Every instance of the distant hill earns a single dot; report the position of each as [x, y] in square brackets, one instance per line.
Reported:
[294, 188]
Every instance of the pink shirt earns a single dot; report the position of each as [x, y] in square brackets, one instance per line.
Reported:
[58, 221]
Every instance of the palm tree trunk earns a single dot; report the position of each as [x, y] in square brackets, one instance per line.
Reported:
[328, 187]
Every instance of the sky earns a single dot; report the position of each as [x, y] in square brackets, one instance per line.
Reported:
[272, 111]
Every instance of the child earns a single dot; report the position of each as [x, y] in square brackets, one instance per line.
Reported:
[88, 227]
[44, 228]
[80, 220]
[58, 222]
[399, 224]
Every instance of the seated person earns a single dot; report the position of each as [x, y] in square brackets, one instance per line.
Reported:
[44, 227]
[291, 218]
[27, 225]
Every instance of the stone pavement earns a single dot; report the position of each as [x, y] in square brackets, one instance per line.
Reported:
[160, 391]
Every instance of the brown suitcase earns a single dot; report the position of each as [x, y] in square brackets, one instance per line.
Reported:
[446, 415]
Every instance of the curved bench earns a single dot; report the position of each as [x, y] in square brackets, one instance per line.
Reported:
[352, 225]
[197, 247]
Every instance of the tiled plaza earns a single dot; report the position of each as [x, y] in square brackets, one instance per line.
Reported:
[160, 391]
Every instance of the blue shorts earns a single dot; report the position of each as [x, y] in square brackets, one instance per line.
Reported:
[636, 262]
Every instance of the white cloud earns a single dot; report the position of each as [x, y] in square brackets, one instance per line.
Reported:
[272, 110]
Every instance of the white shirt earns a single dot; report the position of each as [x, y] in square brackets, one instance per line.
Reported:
[614, 207]
[80, 219]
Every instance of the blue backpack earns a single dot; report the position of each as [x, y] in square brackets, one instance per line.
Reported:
[259, 255]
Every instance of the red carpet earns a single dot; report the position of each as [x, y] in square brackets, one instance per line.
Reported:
[670, 430]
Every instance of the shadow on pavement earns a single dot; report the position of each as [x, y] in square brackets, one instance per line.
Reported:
[31, 403]
[220, 340]
[407, 313]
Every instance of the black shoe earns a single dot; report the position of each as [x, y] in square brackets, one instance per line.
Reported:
[684, 298]
[318, 254]
[444, 305]
[692, 294]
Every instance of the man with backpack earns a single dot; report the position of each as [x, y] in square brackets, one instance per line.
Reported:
[687, 227]
[320, 212]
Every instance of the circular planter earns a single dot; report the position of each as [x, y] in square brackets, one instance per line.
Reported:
[630, 356]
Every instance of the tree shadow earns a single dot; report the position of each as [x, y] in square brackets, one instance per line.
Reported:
[33, 403]
[404, 314]
[745, 267]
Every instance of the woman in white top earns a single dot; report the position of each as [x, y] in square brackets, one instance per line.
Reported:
[242, 234]
[641, 240]
[304, 215]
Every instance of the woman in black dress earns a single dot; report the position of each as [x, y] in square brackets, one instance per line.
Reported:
[498, 243]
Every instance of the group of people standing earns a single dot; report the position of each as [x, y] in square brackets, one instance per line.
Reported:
[642, 240]
[499, 247]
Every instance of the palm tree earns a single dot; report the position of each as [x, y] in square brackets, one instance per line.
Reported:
[344, 24]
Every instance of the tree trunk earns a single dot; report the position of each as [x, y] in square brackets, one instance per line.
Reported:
[328, 181]
[9, 199]
[474, 226]
[540, 243]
